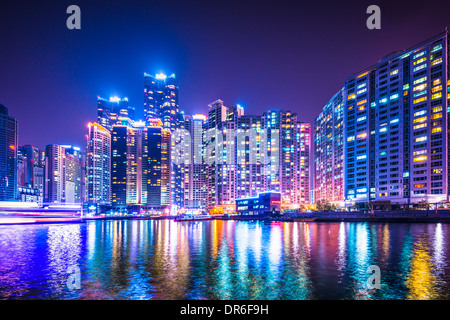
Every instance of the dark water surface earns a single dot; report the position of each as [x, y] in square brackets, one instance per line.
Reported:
[145, 259]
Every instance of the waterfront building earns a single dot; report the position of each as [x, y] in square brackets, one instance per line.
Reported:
[127, 186]
[397, 127]
[246, 155]
[198, 170]
[287, 168]
[265, 203]
[8, 155]
[328, 142]
[219, 157]
[250, 156]
[395, 131]
[157, 164]
[33, 168]
[62, 174]
[98, 165]
[302, 177]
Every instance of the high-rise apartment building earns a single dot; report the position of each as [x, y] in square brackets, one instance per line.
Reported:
[98, 165]
[246, 155]
[63, 178]
[8, 155]
[328, 141]
[33, 165]
[395, 131]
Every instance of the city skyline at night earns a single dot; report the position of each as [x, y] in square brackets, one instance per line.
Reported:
[304, 58]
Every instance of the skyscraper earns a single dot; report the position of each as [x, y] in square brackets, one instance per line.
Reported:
[328, 141]
[110, 110]
[8, 155]
[157, 164]
[161, 100]
[246, 155]
[62, 174]
[127, 171]
[395, 130]
[98, 165]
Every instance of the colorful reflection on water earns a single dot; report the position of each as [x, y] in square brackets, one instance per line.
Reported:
[145, 259]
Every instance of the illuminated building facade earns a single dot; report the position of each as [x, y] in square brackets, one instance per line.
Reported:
[62, 174]
[161, 100]
[110, 110]
[127, 179]
[98, 165]
[157, 164]
[33, 166]
[246, 155]
[396, 127]
[265, 203]
[8, 155]
[328, 142]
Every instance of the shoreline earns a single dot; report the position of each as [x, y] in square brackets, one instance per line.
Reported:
[421, 217]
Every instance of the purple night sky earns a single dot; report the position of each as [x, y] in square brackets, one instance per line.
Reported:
[263, 55]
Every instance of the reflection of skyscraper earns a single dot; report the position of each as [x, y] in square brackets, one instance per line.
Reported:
[8, 155]
[161, 100]
[98, 165]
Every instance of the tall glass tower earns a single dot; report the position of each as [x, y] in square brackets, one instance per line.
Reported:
[161, 100]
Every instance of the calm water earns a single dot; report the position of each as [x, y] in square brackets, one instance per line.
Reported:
[224, 260]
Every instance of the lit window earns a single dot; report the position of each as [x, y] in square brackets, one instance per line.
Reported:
[420, 113]
[420, 80]
[436, 96]
[420, 100]
[361, 102]
[361, 119]
[420, 60]
[394, 72]
[437, 109]
[420, 87]
[436, 48]
[421, 139]
[435, 89]
[436, 116]
[420, 185]
[437, 129]
[421, 119]
[422, 66]
[437, 61]
[419, 126]
[421, 158]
